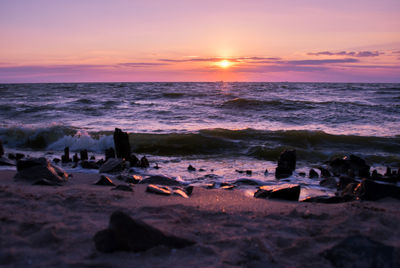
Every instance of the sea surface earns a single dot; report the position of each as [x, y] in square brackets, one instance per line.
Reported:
[219, 127]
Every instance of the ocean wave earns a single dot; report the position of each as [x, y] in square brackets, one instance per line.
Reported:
[312, 146]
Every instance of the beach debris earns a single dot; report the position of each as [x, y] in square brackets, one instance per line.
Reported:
[109, 153]
[313, 174]
[127, 234]
[158, 189]
[122, 187]
[84, 155]
[191, 168]
[329, 182]
[159, 179]
[245, 181]
[104, 181]
[36, 169]
[65, 158]
[134, 179]
[1, 149]
[122, 146]
[372, 190]
[286, 164]
[350, 165]
[112, 165]
[89, 164]
[144, 163]
[284, 192]
[361, 251]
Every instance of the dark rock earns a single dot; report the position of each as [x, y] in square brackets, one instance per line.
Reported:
[43, 182]
[285, 192]
[36, 169]
[1, 149]
[112, 165]
[104, 181]
[344, 181]
[266, 172]
[302, 174]
[329, 183]
[210, 185]
[348, 191]
[75, 158]
[19, 156]
[92, 157]
[375, 175]
[387, 173]
[6, 162]
[158, 189]
[134, 161]
[201, 170]
[121, 142]
[144, 163]
[163, 180]
[360, 251]
[56, 160]
[349, 166]
[134, 179]
[286, 164]
[84, 155]
[228, 187]
[249, 172]
[109, 153]
[127, 234]
[371, 190]
[11, 156]
[324, 199]
[313, 174]
[325, 173]
[65, 158]
[191, 168]
[156, 166]
[89, 164]
[189, 190]
[121, 187]
[245, 181]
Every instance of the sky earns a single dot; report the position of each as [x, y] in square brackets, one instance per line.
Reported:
[205, 40]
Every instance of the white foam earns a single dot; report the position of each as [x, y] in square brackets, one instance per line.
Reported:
[83, 141]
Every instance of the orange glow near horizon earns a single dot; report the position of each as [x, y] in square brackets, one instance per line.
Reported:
[224, 64]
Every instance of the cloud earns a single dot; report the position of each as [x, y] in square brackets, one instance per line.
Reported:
[141, 64]
[347, 53]
[216, 59]
[319, 62]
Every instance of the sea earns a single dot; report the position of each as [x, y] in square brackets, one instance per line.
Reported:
[219, 128]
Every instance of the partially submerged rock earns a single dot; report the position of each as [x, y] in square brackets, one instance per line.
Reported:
[89, 164]
[112, 165]
[65, 158]
[351, 165]
[360, 251]
[284, 192]
[162, 180]
[127, 234]
[313, 174]
[134, 179]
[104, 181]
[245, 181]
[324, 199]
[36, 169]
[286, 164]
[371, 190]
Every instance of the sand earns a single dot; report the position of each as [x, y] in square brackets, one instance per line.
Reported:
[46, 226]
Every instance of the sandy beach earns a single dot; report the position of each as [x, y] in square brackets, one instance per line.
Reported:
[48, 226]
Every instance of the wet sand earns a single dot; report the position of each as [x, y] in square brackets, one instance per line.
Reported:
[47, 226]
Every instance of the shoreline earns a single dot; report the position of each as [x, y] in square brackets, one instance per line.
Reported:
[54, 226]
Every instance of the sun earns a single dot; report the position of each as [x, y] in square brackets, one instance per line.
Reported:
[224, 63]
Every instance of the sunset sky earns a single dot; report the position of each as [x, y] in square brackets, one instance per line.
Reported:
[163, 40]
